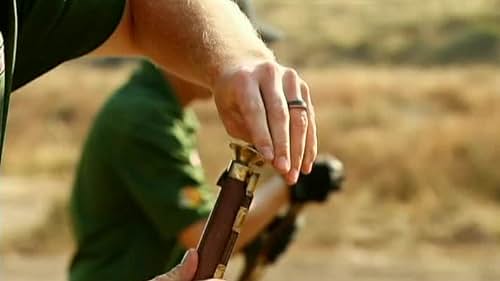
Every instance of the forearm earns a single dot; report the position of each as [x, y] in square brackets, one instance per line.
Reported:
[212, 44]
[197, 40]
[268, 201]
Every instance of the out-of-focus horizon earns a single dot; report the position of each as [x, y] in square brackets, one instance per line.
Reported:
[407, 95]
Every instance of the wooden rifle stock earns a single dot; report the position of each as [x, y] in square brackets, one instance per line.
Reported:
[237, 184]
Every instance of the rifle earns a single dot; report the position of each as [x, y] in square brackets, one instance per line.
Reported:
[237, 184]
[267, 247]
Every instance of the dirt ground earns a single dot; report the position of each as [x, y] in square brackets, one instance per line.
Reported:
[302, 264]
[22, 210]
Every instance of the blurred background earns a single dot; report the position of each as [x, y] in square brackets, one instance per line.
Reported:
[407, 95]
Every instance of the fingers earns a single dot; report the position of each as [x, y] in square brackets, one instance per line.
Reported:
[277, 115]
[254, 115]
[184, 271]
[252, 103]
[298, 124]
[234, 124]
[311, 146]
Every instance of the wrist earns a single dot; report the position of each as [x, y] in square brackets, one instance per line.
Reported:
[244, 62]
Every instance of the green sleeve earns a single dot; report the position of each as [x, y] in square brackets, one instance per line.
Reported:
[54, 31]
[41, 34]
[156, 168]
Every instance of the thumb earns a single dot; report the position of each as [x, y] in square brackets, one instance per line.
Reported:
[184, 271]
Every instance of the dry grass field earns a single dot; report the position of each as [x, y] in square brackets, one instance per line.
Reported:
[319, 33]
[420, 147]
[407, 96]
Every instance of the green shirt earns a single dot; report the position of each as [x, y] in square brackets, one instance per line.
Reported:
[38, 35]
[130, 199]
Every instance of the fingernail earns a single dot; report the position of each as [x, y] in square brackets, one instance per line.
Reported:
[267, 152]
[308, 169]
[282, 164]
[186, 255]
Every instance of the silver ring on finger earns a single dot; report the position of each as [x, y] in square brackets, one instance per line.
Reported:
[297, 104]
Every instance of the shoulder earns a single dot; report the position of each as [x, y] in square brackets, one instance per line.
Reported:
[61, 30]
[136, 117]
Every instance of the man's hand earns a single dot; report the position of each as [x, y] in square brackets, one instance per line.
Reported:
[211, 43]
[252, 103]
[184, 271]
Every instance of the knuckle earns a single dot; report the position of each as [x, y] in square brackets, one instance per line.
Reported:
[296, 163]
[280, 115]
[269, 69]
[301, 121]
[312, 117]
[291, 73]
[311, 153]
[291, 78]
[276, 102]
[282, 149]
[250, 108]
[273, 99]
[304, 88]
[262, 141]
[242, 78]
[282, 146]
[310, 112]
